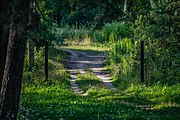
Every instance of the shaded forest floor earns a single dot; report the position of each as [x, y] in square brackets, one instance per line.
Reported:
[55, 99]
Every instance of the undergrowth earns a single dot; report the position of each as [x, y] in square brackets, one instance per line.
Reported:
[43, 100]
[57, 73]
[59, 102]
[132, 100]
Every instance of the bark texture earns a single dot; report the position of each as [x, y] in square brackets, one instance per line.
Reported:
[31, 54]
[12, 77]
[3, 49]
[31, 45]
[4, 31]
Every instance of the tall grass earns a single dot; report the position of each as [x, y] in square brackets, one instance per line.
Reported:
[67, 34]
[121, 58]
[118, 29]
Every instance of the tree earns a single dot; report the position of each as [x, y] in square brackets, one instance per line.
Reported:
[12, 77]
[30, 24]
[4, 30]
[133, 8]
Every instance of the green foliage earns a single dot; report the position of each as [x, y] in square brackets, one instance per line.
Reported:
[71, 34]
[165, 16]
[57, 55]
[156, 93]
[57, 73]
[138, 102]
[54, 100]
[82, 17]
[134, 8]
[119, 30]
[121, 58]
[38, 60]
[161, 56]
[157, 99]
[73, 13]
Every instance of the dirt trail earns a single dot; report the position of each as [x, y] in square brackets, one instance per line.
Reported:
[81, 61]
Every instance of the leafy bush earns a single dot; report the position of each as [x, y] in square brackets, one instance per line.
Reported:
[161, 56]
[121, 58]
[118, 29]
[57, 73]
[82, 17]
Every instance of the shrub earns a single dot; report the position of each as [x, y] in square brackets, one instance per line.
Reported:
[121, 58]
[57, 73]
[118, 29]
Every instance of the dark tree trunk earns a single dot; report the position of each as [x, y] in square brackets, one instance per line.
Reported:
[11, 84]
[4, 31]
[31, 46]
[31, 55]
[3, 51]
[12, 77]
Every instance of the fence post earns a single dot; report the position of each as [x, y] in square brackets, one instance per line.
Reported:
[46, 61]
[142, 61]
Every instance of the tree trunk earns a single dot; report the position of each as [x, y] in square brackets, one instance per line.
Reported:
[3, 50]
[12, 77]
[125, 7]
[31, 46]
[4, 31]
[31, 55]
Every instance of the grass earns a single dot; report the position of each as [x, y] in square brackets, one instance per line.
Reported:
[88, 81]
[58, 102]
[162, 95]
[57, 54]
[91, 50]
[85, 45]
[54, 100]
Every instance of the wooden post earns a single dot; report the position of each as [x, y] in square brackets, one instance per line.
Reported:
[142, 61]
[46, 61]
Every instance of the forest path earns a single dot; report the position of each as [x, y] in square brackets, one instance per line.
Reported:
[82, 60]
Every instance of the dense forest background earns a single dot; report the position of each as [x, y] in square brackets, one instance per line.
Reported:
[134, 31]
